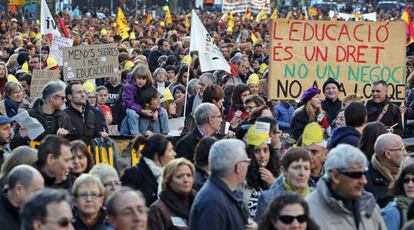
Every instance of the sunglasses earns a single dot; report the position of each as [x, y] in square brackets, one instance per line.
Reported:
[407, 180]
[353, 175]
[286, 219]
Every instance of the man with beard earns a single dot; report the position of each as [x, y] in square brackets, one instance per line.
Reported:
[381, 109]
[5, 136]
[84, 124]
[163, 49]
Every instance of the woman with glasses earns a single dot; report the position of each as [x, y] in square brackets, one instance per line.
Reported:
[88, 197]
[296, 169]
[172, 209]
[288, 211]
[108, 177]
[395, 213]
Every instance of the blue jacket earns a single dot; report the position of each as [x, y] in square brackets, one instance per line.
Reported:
[344, 135]
[216, 207]
[392, 216]
[134, 124]
[284, 113]
[267, 196]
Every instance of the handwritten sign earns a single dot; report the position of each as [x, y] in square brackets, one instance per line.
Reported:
[90, 62]
[58, 43]
[40, 78]
[240, 6]
[305, 54]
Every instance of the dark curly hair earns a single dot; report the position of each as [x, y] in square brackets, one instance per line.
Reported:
[253, 175]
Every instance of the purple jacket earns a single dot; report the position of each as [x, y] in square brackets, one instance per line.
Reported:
[128, 97]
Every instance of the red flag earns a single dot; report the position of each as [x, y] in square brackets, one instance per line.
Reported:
[407, 19]
[63, 26]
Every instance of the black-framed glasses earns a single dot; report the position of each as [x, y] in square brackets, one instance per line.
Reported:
[353, 175]
[61, 97]
[287, 219]
[64, 222]
[398, 149]
[407, 180]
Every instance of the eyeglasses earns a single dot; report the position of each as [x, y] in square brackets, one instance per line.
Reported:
[376, 91]
[61, 97]
[85, 195]
[112, 184]
[277, 132]
[286, 219]
[398, 149]
[64, 222]
[248, 160]
[407, 180]
[353, 175]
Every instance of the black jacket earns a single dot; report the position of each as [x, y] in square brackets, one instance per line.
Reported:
[378, 185]
[299, 121]
[9, 215]
[140, 177]
[83, 125]
[331, 109]
[50, 122]
[50, 181]
[186, 145]
[99, 225]
[391, 117]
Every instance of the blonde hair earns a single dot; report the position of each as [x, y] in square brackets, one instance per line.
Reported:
[12, 87]
[310, 111]
[350, 98]
[87, 179]
[142, 72]
[170, 169]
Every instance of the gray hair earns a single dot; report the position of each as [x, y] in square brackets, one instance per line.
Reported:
[224, 154]
[192, 84]
[51, 89]
[209, 77]
[342, 157]
[203, 112]
[111, 202]
[236, 59]
[103, 170]
[383, 141]
[21, 174]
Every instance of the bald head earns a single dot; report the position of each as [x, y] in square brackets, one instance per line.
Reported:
[387, 141]
[23, 178]
[389, 149]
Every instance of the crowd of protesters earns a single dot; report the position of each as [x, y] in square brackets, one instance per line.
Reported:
[323, 162]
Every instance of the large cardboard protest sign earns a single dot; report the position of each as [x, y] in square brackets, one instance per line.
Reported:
[304, 54]
[90, 62]
[58, 43]
[40, 78]
[238, 6]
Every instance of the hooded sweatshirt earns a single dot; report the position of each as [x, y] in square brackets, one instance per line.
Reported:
[344, 135]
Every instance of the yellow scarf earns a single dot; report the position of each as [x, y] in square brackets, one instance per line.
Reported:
[389, 173]
[303, 192]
